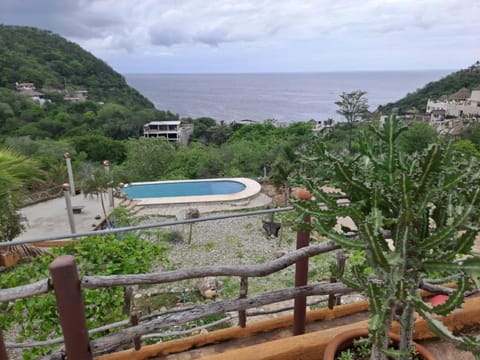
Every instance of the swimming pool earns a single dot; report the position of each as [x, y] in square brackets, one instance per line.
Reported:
[191, 191]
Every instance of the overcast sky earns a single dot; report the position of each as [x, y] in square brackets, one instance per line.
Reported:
[190, 36]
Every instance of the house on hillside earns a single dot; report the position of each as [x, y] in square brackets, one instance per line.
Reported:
[173, 131]
[322, 127]
[462, 103]
[76, 96]
[28, 90]
[24, 86]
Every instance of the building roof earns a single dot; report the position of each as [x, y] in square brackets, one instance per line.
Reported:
[174, 122]
[462, 94]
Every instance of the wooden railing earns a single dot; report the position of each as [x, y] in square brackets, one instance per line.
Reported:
[70, 309]
[67, 287]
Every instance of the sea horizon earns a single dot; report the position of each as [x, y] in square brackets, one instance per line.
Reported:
[288, 72]
[285, 97]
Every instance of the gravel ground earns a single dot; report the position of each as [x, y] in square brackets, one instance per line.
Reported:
[233, 241]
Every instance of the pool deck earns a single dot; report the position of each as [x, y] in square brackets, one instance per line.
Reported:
[50, 218]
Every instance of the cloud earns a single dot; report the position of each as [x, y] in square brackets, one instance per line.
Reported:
[254, 27]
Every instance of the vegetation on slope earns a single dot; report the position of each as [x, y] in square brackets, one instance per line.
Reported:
[469, 78]
[58, 68]
[31, 55]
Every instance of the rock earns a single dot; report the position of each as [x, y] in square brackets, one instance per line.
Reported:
[192, 213]
[208, 287]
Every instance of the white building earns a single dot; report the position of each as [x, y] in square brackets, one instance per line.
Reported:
[171, 130]
[458, 104]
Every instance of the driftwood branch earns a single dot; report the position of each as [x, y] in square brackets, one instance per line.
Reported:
[109, 342]
[95, 282]
[20, 292]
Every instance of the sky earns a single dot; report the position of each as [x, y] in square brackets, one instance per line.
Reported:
[232, 36]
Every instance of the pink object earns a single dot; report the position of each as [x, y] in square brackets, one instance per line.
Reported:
[438, 300]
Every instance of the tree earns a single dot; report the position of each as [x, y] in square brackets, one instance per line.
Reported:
[353, 107]
[15, 171]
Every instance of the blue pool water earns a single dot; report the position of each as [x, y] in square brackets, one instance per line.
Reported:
[193, 188]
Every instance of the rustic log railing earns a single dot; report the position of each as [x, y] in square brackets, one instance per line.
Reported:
[133, 329]
[183, 315]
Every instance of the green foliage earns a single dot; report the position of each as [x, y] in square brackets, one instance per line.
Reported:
[95, 255]
[48, 60]
[467, 148]
[472, 133]
[58, 68]
[16, 172]
[418, 137]
[147, 158]
[400, 195]
[99, 148]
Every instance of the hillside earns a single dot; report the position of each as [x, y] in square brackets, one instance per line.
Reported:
[469, 78]
[48, 60]
[74, 93]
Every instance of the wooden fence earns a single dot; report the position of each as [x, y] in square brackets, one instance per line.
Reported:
[67, 287]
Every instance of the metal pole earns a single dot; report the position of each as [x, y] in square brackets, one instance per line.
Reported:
[68, 202]
[301, 273]
[70, 308]
[106, 165]
[3, 348]
[67, 157]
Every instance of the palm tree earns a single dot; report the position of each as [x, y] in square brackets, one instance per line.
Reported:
[282, 170]
[96, 181]
[16, 172]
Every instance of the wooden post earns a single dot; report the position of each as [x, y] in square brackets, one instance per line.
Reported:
[301, 273]
[3, 348]
[242, 314]
[71, 310]
[136, 340]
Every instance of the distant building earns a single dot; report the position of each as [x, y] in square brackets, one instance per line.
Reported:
[171, 130]
[76, 96]
[24, 86]
[461, 103]
[322, 127]
[28, 90]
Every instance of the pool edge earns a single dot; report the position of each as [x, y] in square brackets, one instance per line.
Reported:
[252, 188]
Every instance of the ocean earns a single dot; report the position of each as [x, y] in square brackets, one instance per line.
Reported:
[285, 97]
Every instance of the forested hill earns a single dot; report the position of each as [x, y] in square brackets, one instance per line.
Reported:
[49, 61]
[469, 78]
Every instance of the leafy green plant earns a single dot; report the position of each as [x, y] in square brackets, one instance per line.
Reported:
[426, 204]
[37, 316]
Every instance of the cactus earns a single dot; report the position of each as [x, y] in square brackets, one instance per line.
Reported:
[425, 203]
